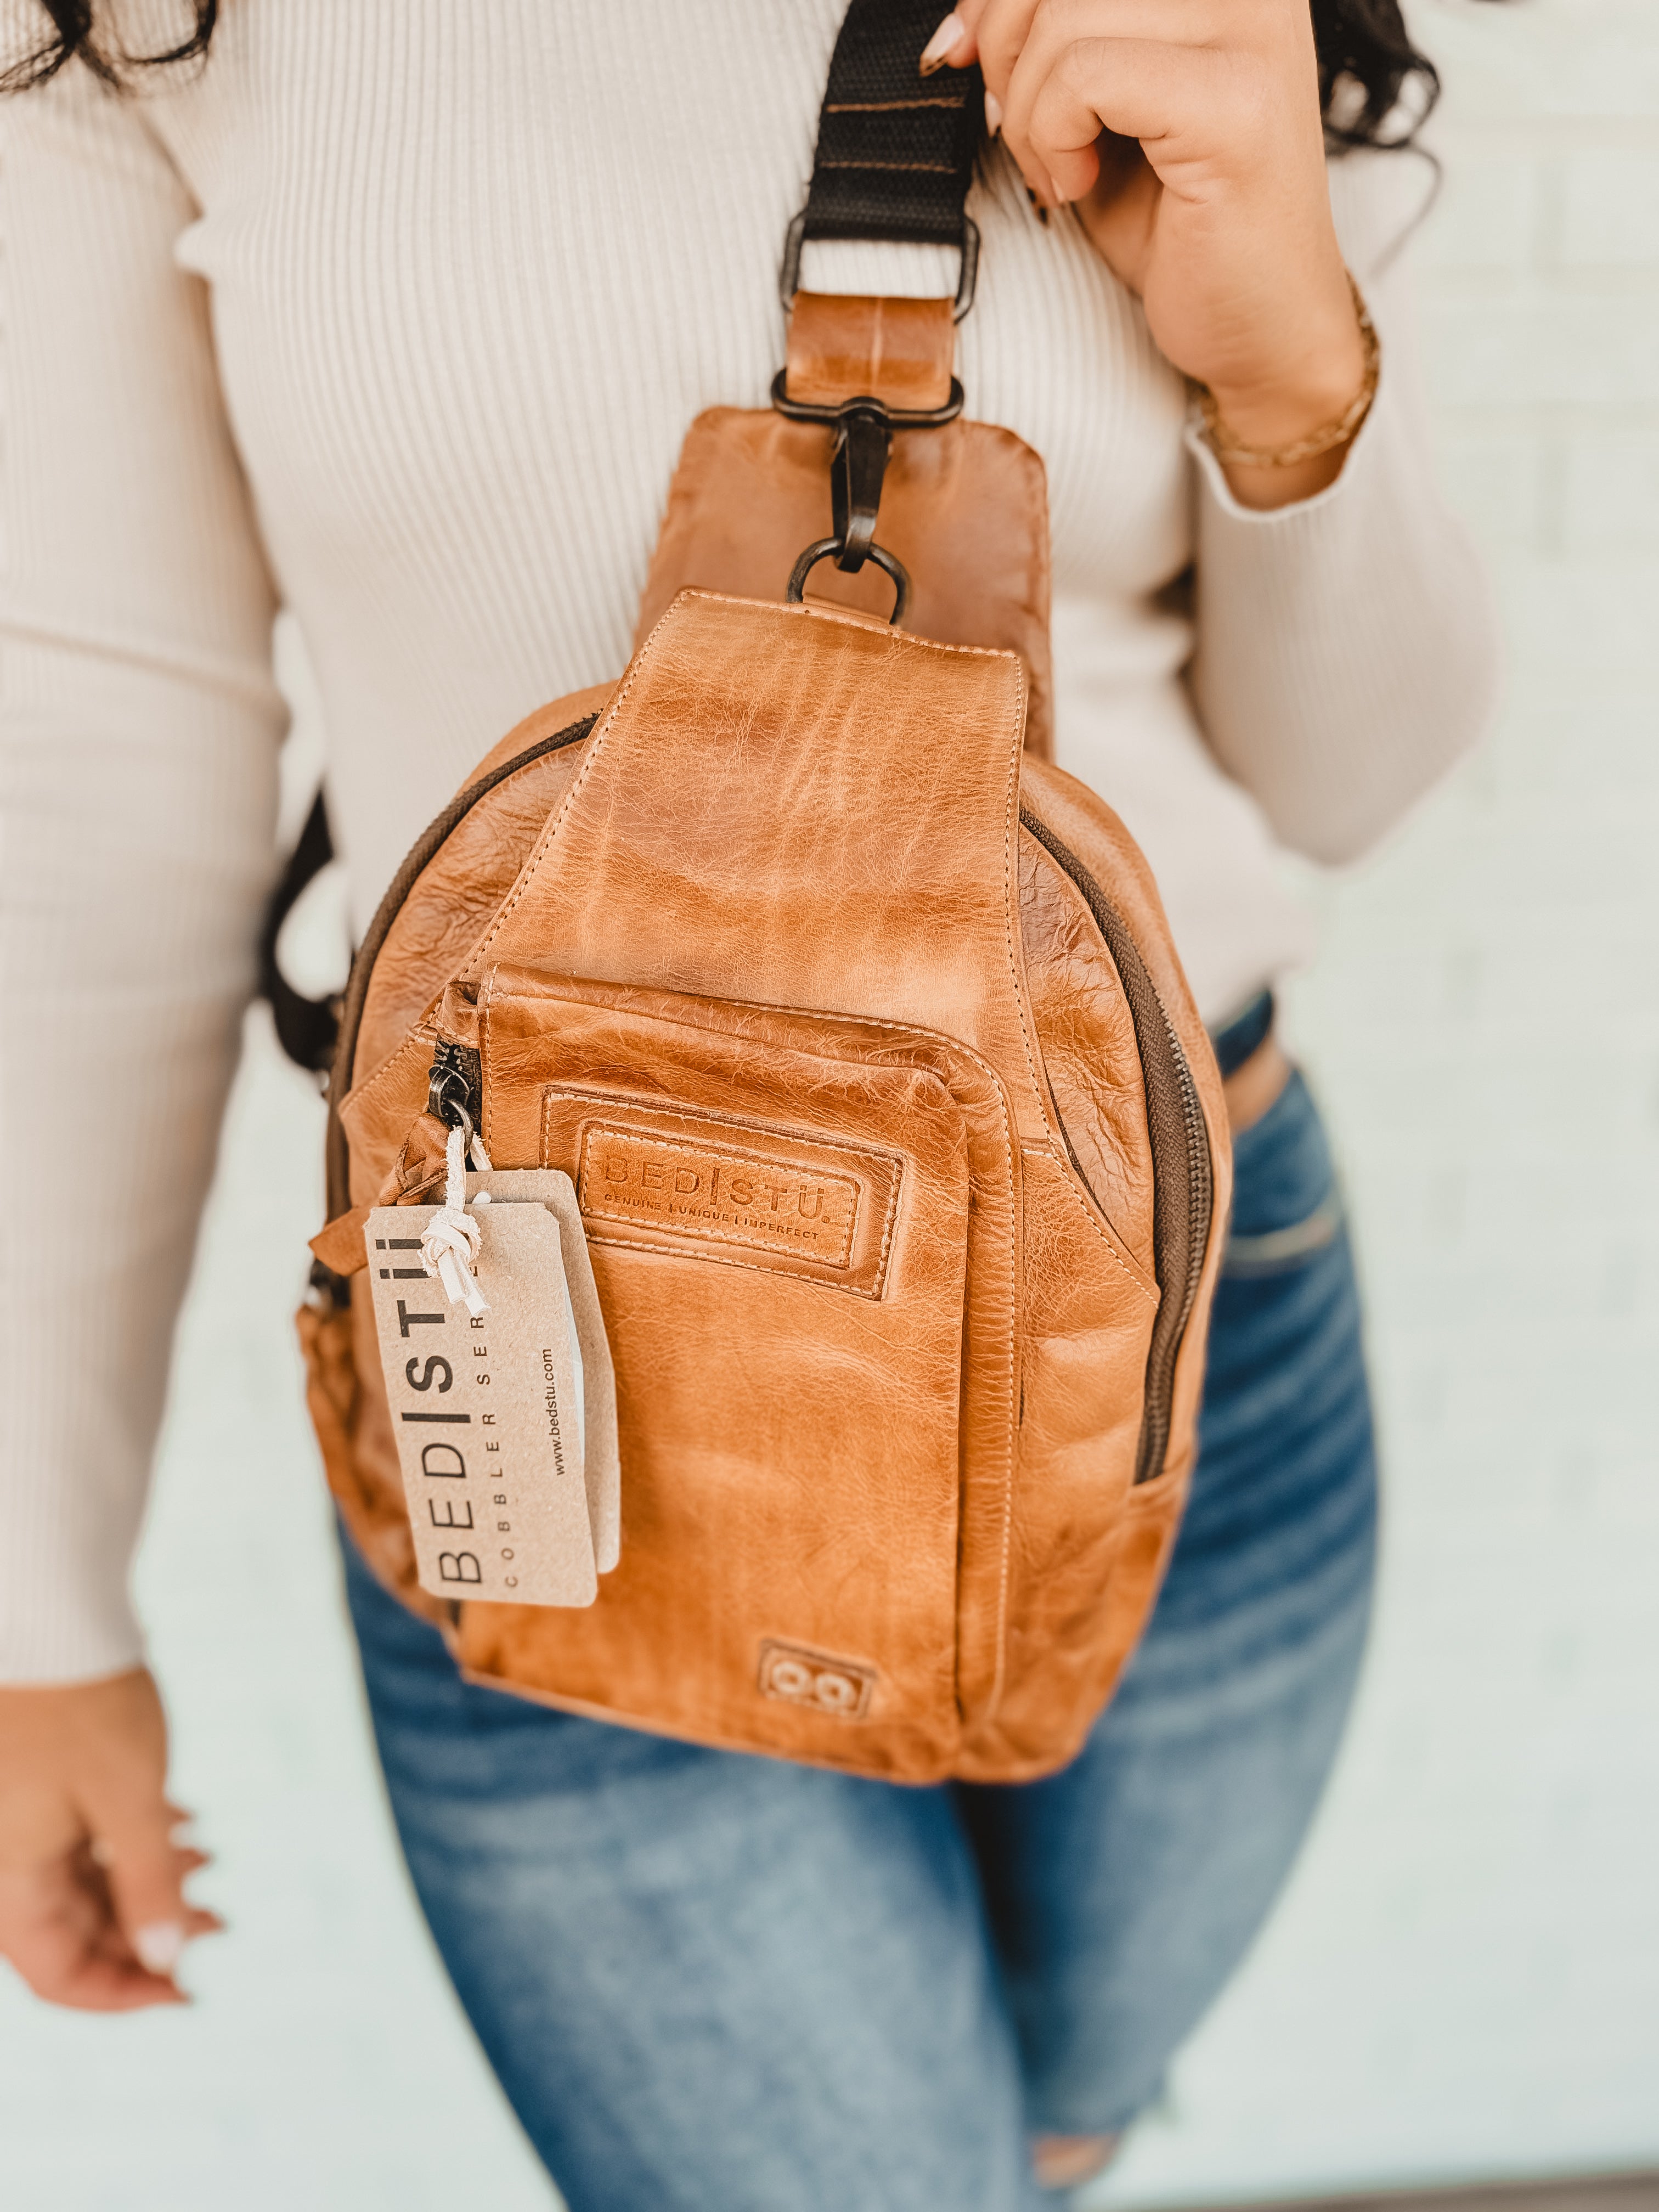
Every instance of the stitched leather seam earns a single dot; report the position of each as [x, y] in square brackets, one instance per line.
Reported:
[860, 1021]
[497, 780]
[867, 1022]
[486, 1115]
[1049, 1152]
[424, 1033]
[595, 747]
[1011, 901]
[851, 621]
[886, 1246]
[1071, 1172]
[727, 1258]
[1000, 1670]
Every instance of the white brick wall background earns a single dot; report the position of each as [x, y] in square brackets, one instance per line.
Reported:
[1463, 1980]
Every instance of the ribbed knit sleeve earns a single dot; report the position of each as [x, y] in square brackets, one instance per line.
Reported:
[139, 725]
[1347, 646]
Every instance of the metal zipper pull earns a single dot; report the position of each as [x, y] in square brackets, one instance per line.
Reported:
[449, 1246]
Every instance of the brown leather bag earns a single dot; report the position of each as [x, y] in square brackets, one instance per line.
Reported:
[789, 923]
[898, 1490]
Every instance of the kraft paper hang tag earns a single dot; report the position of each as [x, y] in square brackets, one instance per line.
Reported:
[597, 1377]
[484, 1408]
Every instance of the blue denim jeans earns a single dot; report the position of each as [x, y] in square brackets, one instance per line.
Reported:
[710, 1980]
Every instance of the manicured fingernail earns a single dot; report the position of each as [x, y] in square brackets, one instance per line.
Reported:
[992, 114]
[1041, 212]
[160, 1946]
[948, 37]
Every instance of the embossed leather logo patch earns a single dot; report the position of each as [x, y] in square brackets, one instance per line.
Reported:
[707, 1190]
[839, 1688]
[704, 1185]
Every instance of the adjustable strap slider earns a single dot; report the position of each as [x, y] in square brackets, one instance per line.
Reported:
[794, 240]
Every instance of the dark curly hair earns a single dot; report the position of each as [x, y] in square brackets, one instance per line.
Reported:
[1369, 69]
[73, 38]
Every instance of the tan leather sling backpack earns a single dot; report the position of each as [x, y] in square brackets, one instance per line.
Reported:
[796, 921]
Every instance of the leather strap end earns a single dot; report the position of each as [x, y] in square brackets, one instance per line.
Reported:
[845, 346]
[340, 1246]
[417, 1175]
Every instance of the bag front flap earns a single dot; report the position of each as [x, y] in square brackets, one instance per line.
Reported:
[797, 808]
[964, 507]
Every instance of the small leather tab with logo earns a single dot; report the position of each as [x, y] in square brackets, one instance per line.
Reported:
[727, 1188]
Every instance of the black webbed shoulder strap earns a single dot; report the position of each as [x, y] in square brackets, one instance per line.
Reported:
[896, 150]
[306, 1029]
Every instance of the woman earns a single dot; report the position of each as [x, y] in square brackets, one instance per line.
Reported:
[397, 314]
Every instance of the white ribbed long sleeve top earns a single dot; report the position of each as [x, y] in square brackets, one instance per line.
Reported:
[395, 314]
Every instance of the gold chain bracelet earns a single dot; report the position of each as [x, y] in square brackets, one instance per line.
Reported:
[1226, 447]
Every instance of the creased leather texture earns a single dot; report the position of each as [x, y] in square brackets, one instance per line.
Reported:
[842, 346]
[855, 1102]
[965, 507]
[463, 885]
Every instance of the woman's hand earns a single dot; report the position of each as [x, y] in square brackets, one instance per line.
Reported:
[1187, 135]
[93, 1910]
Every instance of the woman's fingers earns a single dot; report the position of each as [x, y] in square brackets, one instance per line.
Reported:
[954, 44]
[1189, 134]
[127, 1812]
[59, 1930]
[990, 32]
[1050, 123]
[93, 1910]
[1000, 29]
[1058, 72]
[1120, 212]
[1066, 90]
[950, 46]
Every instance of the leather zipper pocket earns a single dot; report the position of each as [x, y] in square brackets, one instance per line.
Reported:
[805, 1233]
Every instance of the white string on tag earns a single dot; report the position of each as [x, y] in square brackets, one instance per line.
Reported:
[449, 1248]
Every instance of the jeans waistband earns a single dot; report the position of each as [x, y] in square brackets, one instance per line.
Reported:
[1245, 1034]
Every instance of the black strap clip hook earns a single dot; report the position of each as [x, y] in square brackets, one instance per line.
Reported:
[857, 468]
[863, 431]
